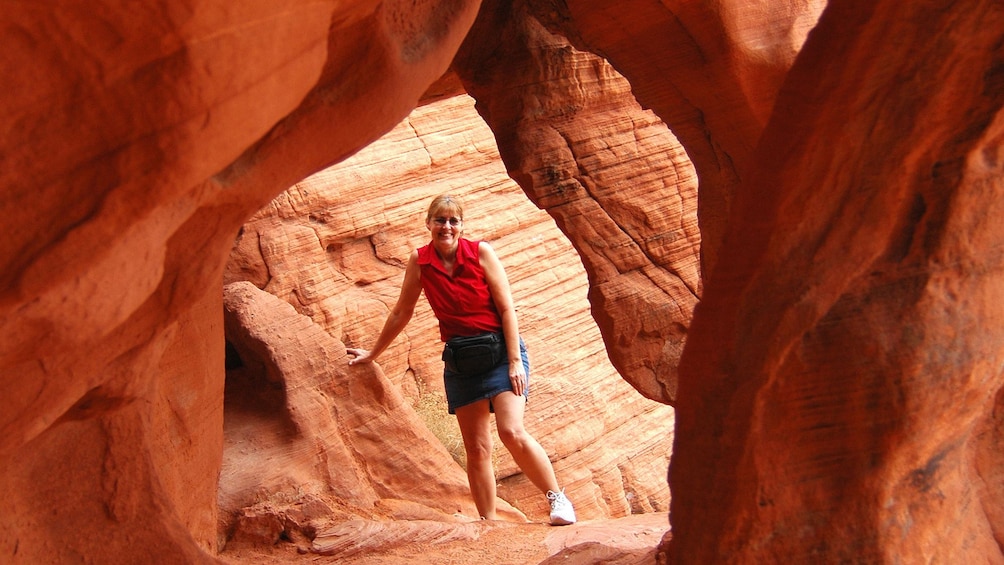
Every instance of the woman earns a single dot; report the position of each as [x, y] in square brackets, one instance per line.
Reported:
[468, 290]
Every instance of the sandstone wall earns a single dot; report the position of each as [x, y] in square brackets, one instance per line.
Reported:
[858, 304]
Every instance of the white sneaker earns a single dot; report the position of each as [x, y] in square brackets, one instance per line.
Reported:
[562, 513]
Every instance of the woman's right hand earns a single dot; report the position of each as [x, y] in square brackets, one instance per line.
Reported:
[358, 355]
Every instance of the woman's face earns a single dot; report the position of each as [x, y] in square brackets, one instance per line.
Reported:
[445, 226]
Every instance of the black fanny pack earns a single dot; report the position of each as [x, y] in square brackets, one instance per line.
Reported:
[474, 355]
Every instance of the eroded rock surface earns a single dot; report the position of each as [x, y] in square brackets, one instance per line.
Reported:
[851, 338]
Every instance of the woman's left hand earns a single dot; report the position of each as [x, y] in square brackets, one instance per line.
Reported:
[358, 355]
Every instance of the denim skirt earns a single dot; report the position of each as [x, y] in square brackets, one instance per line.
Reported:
[462, 390]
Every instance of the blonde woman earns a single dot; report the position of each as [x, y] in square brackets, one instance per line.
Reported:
[469, 292]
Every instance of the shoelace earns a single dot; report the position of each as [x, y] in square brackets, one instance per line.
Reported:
[557, 498]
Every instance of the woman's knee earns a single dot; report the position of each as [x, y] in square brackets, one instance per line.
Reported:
[478, 450]
[513, 436]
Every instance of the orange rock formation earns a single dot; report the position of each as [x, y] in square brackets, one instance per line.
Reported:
[836, 388]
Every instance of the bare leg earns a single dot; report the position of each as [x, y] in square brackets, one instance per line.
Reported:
[525, 450]
[475, 427]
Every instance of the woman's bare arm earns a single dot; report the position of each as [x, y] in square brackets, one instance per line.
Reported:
[398, 317]
[498, 285]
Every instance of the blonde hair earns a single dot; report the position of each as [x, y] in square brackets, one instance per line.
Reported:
[445, 204]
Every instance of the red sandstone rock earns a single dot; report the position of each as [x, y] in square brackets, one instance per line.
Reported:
[136, 141]
[629, 540]
[711, 71]
[842, 376]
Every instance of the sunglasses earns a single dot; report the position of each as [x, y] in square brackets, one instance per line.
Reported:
[452, 221]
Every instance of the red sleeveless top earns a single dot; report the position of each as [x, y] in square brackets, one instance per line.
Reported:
[462, 303]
